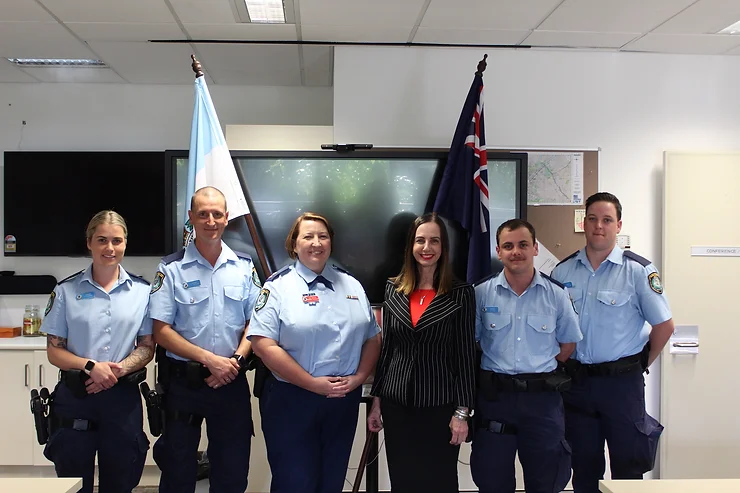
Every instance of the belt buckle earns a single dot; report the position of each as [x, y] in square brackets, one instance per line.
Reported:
[519, 385]
[80, 424]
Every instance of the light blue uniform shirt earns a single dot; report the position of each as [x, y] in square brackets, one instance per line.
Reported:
[207, 305]
[522, 334]
[613, 304]
[98, 325]
[321, 329]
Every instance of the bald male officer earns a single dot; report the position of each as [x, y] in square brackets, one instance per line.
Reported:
[201, 301]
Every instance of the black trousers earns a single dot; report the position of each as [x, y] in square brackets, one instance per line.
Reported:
[417, 441]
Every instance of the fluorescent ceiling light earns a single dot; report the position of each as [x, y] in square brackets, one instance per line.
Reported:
[56, 62]
[733, 29]
[266, 11]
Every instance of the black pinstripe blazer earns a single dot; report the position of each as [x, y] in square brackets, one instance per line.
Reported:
[432, 364]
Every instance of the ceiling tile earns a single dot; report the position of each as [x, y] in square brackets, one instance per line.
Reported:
[318, 65]
[360, 13]
[255, 32]
[620, 16]
[22, 10]
[11, 73]
[349, 33]
[469, 36]
[487, 14]
[204, 11]
[147, 63]
[109, 10]
[114, 31]
[703, 17]
[39, 40]
[579, 39]
[699, 44]
[262, 65]
[81, 75]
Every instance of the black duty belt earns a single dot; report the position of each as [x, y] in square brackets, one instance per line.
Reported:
[610, 368]
[525, 382]
[74, 424]
[185, 369]
[497, 427]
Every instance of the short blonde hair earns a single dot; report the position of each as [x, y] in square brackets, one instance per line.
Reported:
[105, 217]
[293, 233]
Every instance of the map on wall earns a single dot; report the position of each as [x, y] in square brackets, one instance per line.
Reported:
[555, 178]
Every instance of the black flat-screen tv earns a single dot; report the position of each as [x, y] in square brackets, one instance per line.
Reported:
[49, 197]
[370, 197]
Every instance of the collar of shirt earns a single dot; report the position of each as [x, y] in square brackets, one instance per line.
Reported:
[500, 280]
[193, 255]
[123, 276]
[308, 275]
[614, 257]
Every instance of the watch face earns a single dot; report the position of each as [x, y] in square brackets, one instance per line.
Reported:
[89, 366]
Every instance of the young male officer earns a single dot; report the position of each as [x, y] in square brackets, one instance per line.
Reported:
[201, 301]
[615, 293]
[525, 323]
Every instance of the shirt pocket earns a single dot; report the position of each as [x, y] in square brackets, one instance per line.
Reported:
[541, 332]
[494, 322]
[614, 308]
[192, 308]
[234, 297]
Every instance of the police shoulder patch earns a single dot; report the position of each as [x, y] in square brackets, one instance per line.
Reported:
[50, 303]
[157, 284]
[655, 282]
[256, 278]
[262, 299]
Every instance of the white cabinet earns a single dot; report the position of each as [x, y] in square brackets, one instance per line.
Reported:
[44, 375]
[17, 433]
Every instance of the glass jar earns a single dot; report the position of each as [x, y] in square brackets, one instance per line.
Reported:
[28, 322]
[36, 317]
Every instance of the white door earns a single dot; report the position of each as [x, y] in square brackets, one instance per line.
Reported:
[699, 393]
[17, 430]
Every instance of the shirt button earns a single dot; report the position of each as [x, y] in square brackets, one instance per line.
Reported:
[589, 294]
[107, 330]
[216, 315]
[107, 312]
[518, 318]
[106, 348]
[518, 338]
[192, 300]
[614, 302]
[493, 326]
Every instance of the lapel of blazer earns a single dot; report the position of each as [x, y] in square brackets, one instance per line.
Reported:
[398, 305]
[438, 309]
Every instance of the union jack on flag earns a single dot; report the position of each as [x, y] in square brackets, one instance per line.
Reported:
[463, 192]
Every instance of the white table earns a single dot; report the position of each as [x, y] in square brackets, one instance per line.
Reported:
[40, 485]
[671, 486]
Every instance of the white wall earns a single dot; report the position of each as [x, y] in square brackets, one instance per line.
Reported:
[633, 106]
[128, 117]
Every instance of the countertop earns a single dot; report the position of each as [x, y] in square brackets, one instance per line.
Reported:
[27, 343]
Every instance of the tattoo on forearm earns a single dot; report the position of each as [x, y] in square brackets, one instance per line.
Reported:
[140, 356]
[56, 341]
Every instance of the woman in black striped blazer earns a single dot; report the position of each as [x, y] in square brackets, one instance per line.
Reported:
[425, 377]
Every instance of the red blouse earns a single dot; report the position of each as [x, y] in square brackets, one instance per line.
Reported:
[419, 301]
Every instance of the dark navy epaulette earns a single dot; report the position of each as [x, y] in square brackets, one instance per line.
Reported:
[243, 256]
[487, 278]
[557, 283]
[568, 257]
[640, 260]
[138, 278]
[173, 257]
[70, 277]
[279, 273]
[343, 271]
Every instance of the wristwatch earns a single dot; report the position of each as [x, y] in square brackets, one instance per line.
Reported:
[240, 360]
[89, 366]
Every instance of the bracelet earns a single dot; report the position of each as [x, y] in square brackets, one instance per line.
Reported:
[461, 414]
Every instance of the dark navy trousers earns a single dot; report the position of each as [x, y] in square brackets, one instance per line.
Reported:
[118, 440]
[609, 409]
[540, 440]
[308, 436]
[228, 416]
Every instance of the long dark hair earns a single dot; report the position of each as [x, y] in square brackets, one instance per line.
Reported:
[407, 280]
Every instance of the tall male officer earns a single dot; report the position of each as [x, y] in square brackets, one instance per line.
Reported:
[525, 324]
[201, 301]
[615, 293]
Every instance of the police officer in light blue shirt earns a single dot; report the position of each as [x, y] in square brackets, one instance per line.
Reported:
[615, 293]
[525, 324]
[201, 301]
[313, 327]
[100, 336]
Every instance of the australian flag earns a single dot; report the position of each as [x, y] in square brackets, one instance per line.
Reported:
[463, 192]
